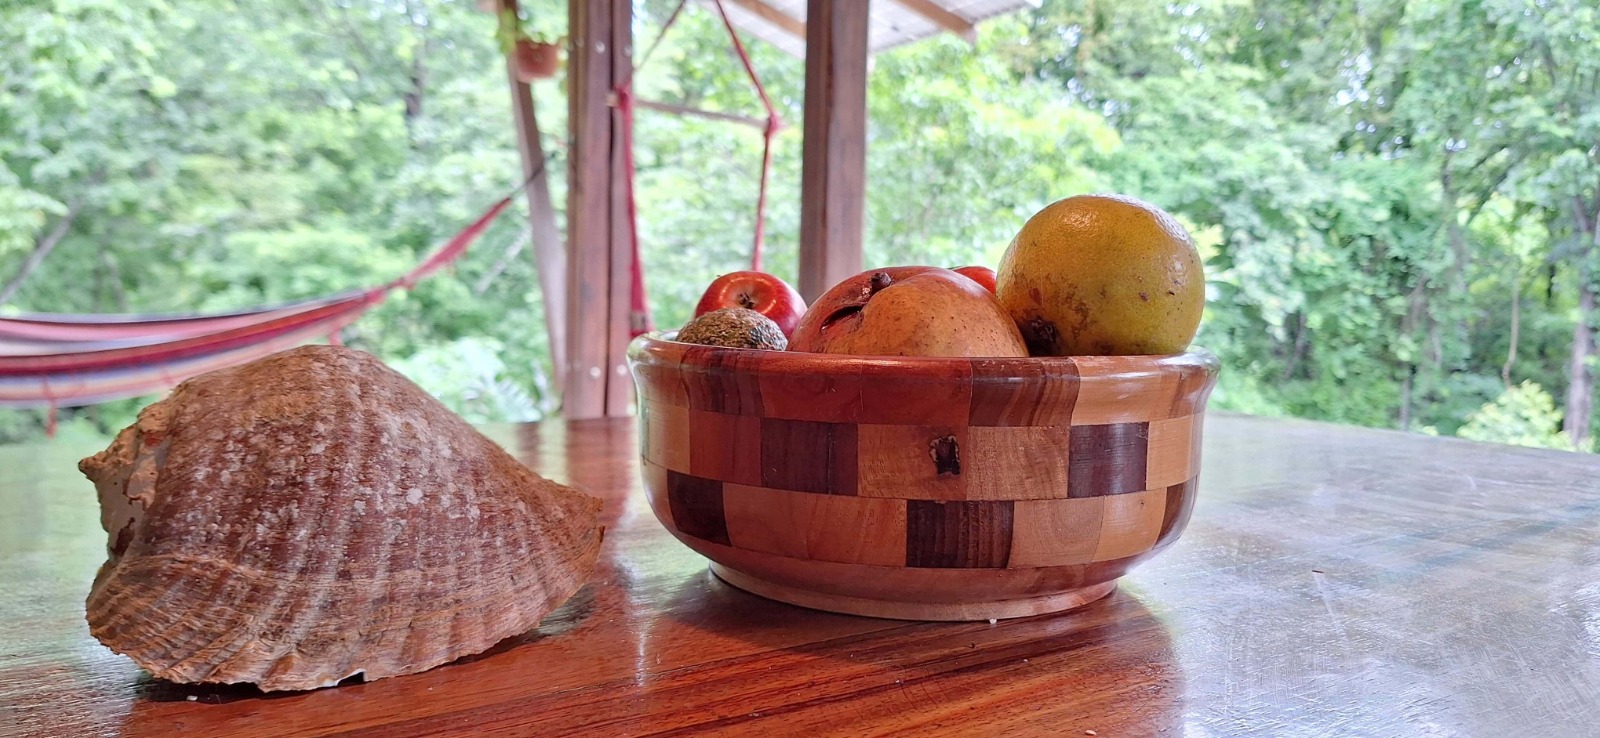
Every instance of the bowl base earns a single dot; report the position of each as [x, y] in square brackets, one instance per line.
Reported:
[948, 611]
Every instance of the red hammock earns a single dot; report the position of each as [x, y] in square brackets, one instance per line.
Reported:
[59, 360]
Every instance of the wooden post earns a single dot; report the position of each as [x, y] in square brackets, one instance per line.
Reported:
[600, 256]
[619, 385]
[549, 251]
[834, 170]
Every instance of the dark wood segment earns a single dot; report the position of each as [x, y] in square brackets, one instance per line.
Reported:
[725, 447]
[1037, 393]
[723, 380]
[1107, 459]
[958, 535]
[808, 456]
[697, 507]
[1181, 498]
[925, 462]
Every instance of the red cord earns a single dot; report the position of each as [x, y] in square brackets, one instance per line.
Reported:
[774, 124]
[640, 320]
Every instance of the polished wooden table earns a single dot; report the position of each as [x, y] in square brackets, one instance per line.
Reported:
[1334, 581]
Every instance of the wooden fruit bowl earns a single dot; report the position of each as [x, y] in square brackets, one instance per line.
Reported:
[920, 488]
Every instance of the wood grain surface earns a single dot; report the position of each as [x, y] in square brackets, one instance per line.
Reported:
[1333, 581]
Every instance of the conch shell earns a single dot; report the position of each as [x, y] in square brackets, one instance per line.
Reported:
[314, 515]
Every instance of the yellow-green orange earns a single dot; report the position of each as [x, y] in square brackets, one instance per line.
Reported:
[1102, 275]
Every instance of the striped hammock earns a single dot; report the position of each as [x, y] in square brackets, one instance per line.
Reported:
[56, 360]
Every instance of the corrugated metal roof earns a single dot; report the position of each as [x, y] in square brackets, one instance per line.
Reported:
[782, 22]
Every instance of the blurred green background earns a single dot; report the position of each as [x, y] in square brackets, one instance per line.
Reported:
[1397, 201]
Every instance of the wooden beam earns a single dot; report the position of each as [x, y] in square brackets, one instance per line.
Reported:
[834, 167]
[599, 255]
[942, 18]
[774, 16]
[550, 252]
[619, 385]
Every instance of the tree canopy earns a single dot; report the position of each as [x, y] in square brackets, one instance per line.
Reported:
[1397, 202]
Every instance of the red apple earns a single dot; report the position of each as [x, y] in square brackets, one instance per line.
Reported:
[981, 274]
[756, 291]
[908, 311]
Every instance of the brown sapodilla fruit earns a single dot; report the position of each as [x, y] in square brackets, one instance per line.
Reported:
[908, 311]
[314, 515]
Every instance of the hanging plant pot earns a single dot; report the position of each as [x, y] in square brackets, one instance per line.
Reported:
[536, 60]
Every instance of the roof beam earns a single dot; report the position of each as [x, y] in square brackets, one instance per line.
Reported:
[774, 16]
[942, 18]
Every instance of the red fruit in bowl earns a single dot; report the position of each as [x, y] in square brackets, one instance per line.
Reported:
[981, 274]
[756, 291]
[908, 311]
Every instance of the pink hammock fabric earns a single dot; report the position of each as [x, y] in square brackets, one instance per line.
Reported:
[57, 360]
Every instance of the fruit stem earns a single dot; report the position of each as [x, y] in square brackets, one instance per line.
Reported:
[878, 281]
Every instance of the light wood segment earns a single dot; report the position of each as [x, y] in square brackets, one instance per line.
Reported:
[653, 478]
[1171, 451]
[1122, 389]
[1130, 523]
[667, 435]
[725, 447]
[851, 530]
[947, 611]
[894, 583]
[896, 394]
[793, 388]
[950, 22]
[1057, 532]
[913, 462]
[1020, 463]
[774, 16]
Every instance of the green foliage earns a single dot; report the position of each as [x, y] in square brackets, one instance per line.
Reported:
[1384, 193]
[1524, 415]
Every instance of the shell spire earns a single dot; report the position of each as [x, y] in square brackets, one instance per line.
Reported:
[314, 515]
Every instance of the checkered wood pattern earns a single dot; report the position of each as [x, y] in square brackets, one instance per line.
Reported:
[1079, 466]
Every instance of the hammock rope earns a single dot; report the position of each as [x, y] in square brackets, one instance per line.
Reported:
[640, 319]
[56, 360]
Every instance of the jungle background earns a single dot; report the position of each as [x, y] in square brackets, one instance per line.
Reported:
[1397, 201]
